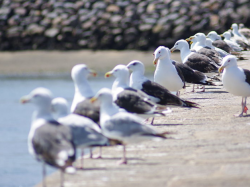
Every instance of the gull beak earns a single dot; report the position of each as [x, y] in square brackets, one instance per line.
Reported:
[172, 49]
[231, 28]
[190, 38]
[108, 74]
[191, 42]
[92, 72]
[25, 99]
[221, 35]
[93, 99]
[221, 69]
[155, 61]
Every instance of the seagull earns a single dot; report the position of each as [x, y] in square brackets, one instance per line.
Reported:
[244, 30]
[123, 126]
[92, 133]
[193, 76]
[166, 73]
[83, 92]
[237, 35]
[239, 38]
[232, 44]
[222, 53]
[201, 47]
[236, 80]
[130, 99]
[49, 141]
[156, 92]
[195, 60]
[218, 42]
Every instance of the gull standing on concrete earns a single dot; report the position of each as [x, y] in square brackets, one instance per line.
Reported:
[89, 134]
[201, 47]
[156, 92]
[227, 38]
[195, 60]
[236, 33]
[166, 73]
[49, 141]
[83, 92]
[218, 42]
[132, 100]
[236, 80]
[123, 126]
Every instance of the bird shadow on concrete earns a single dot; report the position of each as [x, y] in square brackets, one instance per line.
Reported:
[212, 88]
[166, 124]
[247, 115]
[119, 158]
[217, 92]
[145, 163]
[90, 169]
[198, 98]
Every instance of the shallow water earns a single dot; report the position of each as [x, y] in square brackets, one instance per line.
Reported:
[17, 167]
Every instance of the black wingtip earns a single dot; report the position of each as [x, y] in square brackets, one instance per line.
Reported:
[190, 104]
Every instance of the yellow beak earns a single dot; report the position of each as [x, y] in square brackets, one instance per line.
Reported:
[25, 99]
[172, 49]
[221, 35]
[190, 38]
[92, 72]
[93, 99]
[108, 74]
[191, 42]
[221, 69]
[155, 61]
[231, 28]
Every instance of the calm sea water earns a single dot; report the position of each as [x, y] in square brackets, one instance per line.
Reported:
[17, 167]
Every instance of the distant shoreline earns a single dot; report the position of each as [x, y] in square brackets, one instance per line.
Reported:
[47, 63]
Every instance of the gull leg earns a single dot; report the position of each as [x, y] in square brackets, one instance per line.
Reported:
[90, 153]
[152, 122]
[62, 178]
[193, 88]
[245, 106]
[203, 88]
[242, 106]
[82, 157]
[44, 174]
[124, 159]
[100, 154]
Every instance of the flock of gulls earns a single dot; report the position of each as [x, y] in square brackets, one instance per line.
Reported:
[119, 116]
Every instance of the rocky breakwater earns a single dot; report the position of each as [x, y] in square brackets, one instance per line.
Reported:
[112, 24]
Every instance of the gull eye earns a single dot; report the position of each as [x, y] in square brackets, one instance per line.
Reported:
[134, 64]
[159, 52]
[153, 54]
[36, 95]
[228, 60]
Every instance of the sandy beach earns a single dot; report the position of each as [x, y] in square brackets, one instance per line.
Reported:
[60, 62]
[211, 145]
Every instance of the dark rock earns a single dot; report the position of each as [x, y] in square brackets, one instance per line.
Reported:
[113, 8]
[52, 32]
[117, 24]
[34, 29]
[20, 11]
[4, 10]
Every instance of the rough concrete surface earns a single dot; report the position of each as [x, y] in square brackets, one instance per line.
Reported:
[211, 148]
